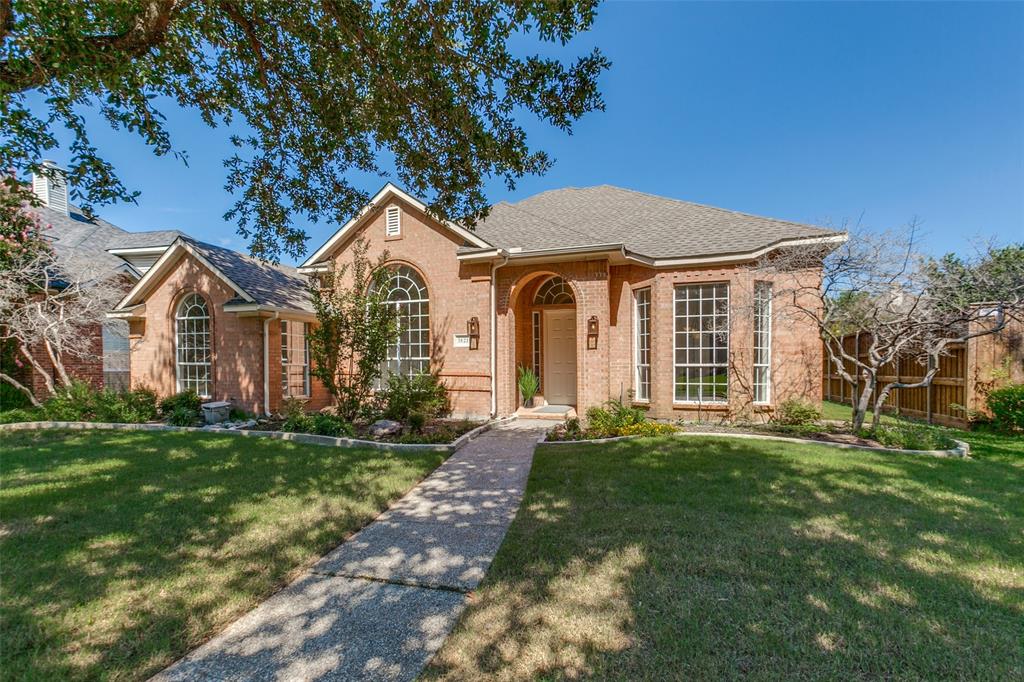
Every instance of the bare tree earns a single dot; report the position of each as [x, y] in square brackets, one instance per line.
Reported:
[54, 304]
[903, 303]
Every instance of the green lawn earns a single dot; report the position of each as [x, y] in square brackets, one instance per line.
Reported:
[120, 551]
[842, 411]
[718, 558]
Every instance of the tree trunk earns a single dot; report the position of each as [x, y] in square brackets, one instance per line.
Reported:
[47, 379]
[56, 357]
[861, 408]
[876, 418]
[21, 387]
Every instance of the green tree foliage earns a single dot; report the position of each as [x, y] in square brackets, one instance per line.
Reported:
[355, 325]
[996, 275]
[314, 90]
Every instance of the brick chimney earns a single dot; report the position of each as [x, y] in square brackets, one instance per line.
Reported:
[52, 190]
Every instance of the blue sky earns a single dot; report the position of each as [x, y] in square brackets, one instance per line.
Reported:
[814, 112]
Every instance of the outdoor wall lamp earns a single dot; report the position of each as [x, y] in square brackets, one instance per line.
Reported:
[592, 330]
[473, 332]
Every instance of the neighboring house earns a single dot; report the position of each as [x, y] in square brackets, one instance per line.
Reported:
[605, 292]
[124, 254]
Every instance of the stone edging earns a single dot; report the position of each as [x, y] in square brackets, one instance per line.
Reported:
[962, 449]
[306, 438]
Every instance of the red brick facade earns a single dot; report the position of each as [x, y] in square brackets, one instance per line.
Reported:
[603, 290]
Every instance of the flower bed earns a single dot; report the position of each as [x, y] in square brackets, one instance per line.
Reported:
[794, 419]
[80, 402]
[613, 420]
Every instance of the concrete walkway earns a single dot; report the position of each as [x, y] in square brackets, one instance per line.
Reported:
[380, 605]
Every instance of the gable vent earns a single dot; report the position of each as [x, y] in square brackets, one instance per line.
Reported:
[52, 191]
[393, 222]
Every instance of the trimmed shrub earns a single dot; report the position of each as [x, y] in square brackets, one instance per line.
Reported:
[31, 414]
[1007, 407]
[330, 425]
[12, 398]
[182, 415]
[612, 418]
[796, 412]
[73, 403]
[133, 407]
[298, 423]
[423, 393]
[417, 420]
[910, 436]
[186, 399]
[293, 407]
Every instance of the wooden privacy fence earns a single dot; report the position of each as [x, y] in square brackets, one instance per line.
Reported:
[942, 402]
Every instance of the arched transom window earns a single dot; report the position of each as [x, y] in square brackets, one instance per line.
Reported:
[554, 291]
[192, 341]
[410, 354]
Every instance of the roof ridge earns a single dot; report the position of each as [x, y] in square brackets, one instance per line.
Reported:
[289, 270]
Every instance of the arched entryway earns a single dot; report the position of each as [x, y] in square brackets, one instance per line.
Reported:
[546, 337]
[557, 307]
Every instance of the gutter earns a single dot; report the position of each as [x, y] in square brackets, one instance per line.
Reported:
[303, 315]
[685, 261]
[494, 336]
[266, 364]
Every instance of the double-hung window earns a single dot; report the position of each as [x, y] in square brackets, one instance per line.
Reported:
[702, 343]
[294, 359]
[642, 343]
[762, 341]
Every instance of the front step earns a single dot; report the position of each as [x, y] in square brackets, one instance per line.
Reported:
[549, 412]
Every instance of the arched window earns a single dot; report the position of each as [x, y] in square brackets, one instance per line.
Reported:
[554, 291]
[192, 352]
[410, 354]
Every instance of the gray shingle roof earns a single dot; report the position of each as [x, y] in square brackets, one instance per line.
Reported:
[648, 225]
[74, 234]
[280, 286]
[138, 240]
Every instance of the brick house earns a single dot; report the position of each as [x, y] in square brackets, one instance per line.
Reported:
[605, 292]
[122, 254]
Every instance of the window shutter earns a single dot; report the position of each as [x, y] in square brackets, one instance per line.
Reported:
[393, 222]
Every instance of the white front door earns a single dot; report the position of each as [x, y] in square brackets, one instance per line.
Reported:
[560, 357]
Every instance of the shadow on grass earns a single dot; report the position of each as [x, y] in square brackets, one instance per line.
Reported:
[724, 559]
[121, 551]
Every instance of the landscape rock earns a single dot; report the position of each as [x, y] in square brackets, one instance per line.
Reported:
[384, 427]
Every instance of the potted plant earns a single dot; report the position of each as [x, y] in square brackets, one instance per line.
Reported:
[528, 385]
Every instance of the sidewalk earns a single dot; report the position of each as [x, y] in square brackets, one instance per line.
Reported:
[378, 606]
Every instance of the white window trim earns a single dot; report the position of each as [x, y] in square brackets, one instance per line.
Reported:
[305, 364]
[636, 344]
[675, 331]
[424, 297]
[536, 338]
[768, 335]
[177, 341]
[393, 221]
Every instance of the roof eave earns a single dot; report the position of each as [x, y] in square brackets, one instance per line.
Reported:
[387, 189]
[263, 310]
[612, 248]
[179, 246]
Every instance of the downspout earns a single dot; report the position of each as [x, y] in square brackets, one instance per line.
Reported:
[266, 364]
[494, 336]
